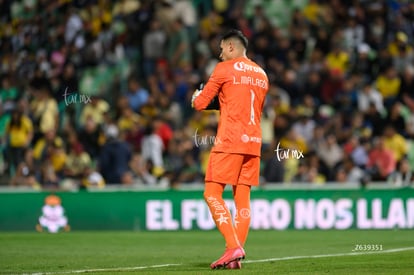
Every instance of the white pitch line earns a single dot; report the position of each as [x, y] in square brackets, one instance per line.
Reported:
[331, 255]
[247, 262]
[102, 269]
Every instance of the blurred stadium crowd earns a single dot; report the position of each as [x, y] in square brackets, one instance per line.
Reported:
[96, 92]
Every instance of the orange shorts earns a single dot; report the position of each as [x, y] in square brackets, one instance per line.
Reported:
[233, 169]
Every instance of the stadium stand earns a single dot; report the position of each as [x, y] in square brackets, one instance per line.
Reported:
[73, 73]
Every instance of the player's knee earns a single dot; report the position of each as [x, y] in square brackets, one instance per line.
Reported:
[244, 214]
[211, 196]
[213, 192]
[207, 196]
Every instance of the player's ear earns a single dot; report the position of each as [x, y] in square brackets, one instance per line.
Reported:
[231, 46]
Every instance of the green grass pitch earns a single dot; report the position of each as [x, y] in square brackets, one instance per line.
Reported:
[191, 252]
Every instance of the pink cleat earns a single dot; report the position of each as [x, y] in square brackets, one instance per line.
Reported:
[230, 255]
[234, 265]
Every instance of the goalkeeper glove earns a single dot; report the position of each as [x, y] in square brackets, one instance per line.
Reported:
[196, 94]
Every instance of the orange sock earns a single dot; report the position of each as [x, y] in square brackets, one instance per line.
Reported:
[241, 195]
[213, 194]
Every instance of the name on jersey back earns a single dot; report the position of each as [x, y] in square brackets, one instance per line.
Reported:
[249, 80]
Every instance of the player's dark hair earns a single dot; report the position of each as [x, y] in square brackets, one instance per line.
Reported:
[236, 34]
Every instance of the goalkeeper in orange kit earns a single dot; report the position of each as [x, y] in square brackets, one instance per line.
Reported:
[240, 86]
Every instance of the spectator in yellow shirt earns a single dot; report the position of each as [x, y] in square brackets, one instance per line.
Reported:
[395, 142]
[337, 59]
[76, 162]
[19, 134]
[50, 149]
[399, 43]
[293, 141]
[211, 23]
[128, 119]
[44, 108]
[312, 12]
[96, 110]
[388, 84]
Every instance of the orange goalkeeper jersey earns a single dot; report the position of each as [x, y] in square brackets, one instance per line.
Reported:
[241, 86]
